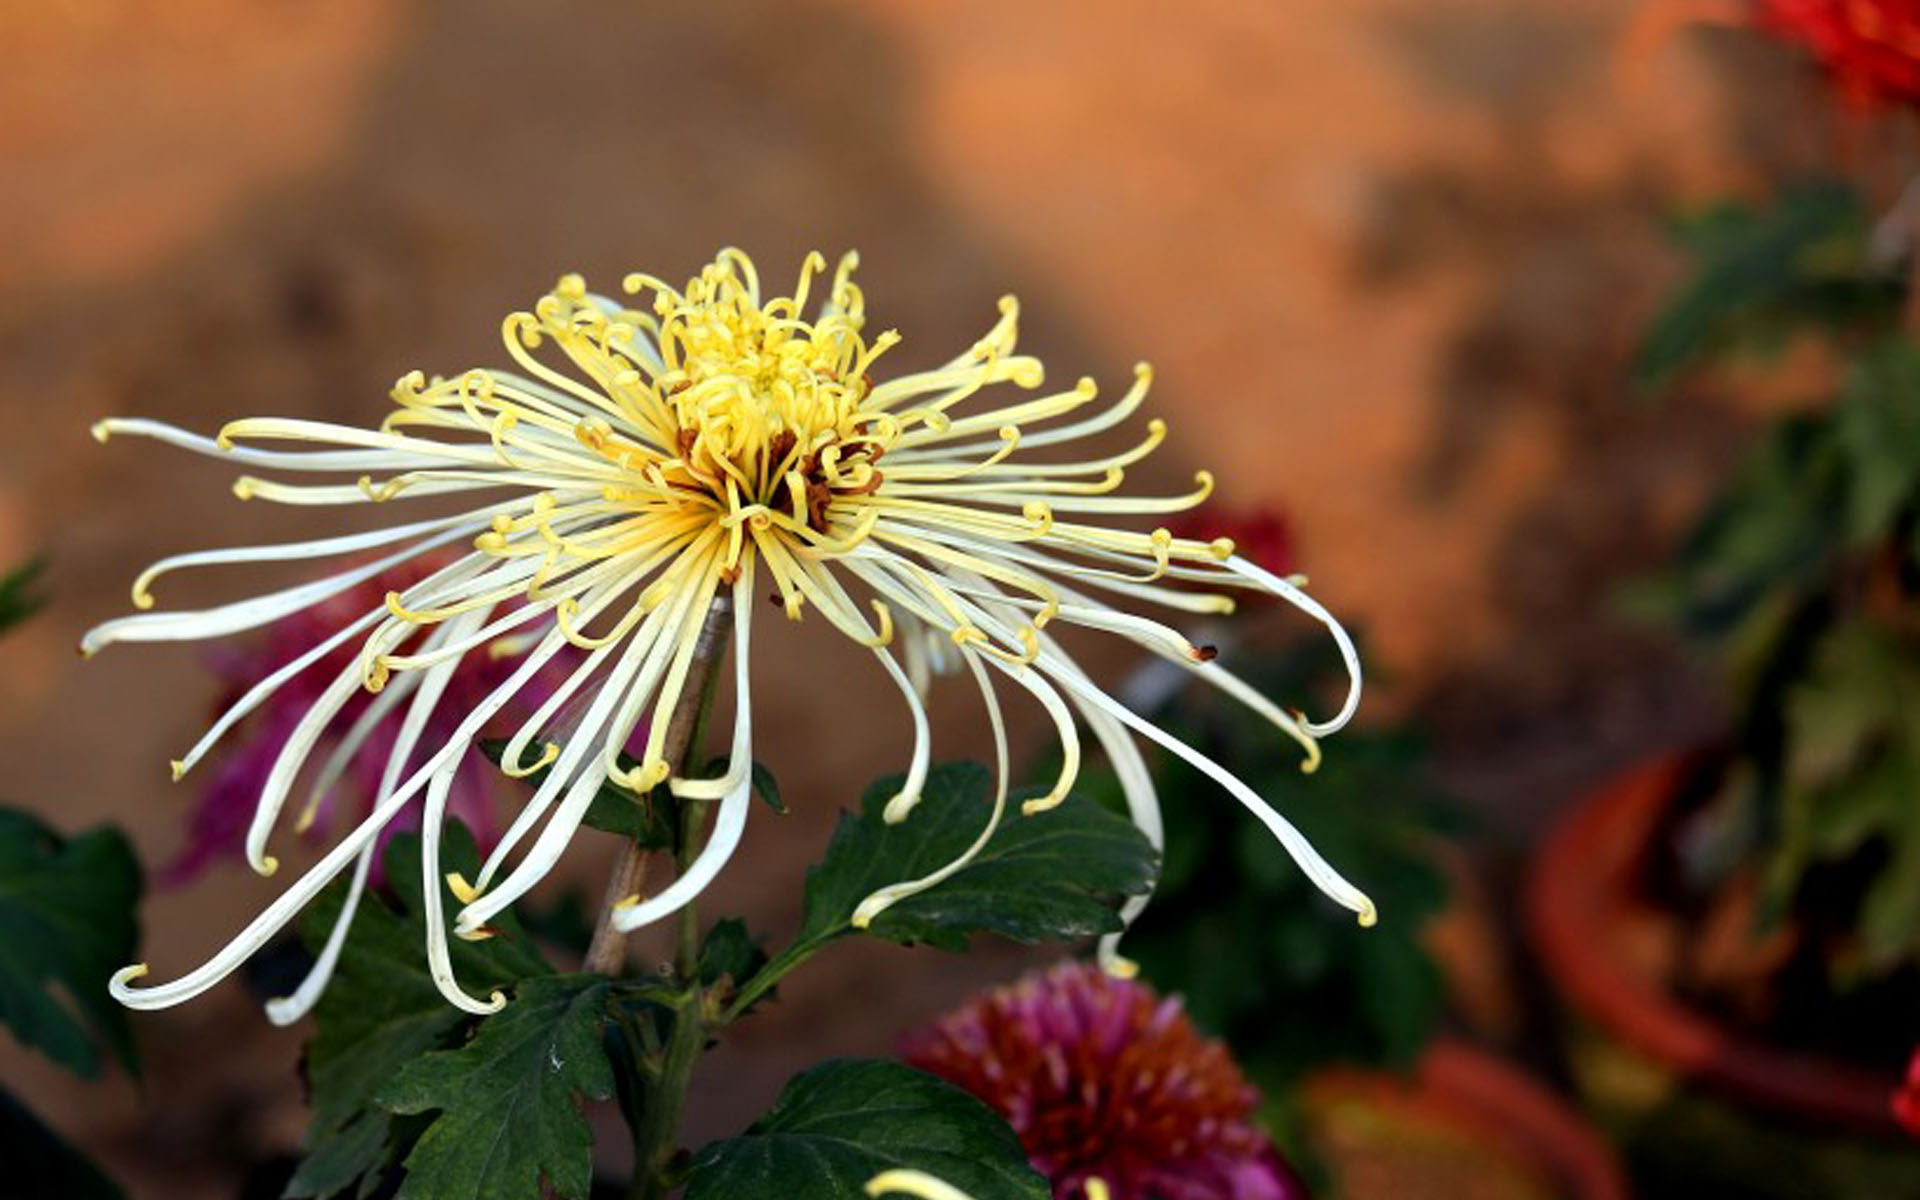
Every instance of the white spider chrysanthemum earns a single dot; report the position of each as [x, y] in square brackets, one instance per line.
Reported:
[705, 444]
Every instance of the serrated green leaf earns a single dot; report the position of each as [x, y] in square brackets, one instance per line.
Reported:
[1056, 875]
[843, 1122]
[41, 1165]
[66, 925]
[614, 809]
[508, 1100]
[382, 1009]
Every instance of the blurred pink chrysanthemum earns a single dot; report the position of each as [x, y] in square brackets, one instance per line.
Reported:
[359, 745]
[1110, 1085]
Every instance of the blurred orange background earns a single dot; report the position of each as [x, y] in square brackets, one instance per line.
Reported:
[1387, 257]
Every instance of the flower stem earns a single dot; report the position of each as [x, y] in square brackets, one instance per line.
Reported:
[607, 953]
[655, 1142]
[664, 1092]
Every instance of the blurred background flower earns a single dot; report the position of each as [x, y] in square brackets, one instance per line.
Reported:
[1105, 1081]
[1871, 48]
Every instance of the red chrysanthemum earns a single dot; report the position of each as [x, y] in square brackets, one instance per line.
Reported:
[1906, 1101]
[1103, 1080]
[1871, 48]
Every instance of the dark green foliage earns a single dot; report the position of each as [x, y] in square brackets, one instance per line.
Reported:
[1769, 540]
[40, 1165]
[1056, 875]
[18, 599]
[1877, 428]
[1805, 572]
[507, 1100]
[382, 1010]
[1849, 786]
[730, 952]
[66, 925]
[1761, 277]
[843, 1122]
[1260, 956]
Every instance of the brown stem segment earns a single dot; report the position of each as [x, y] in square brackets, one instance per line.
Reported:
[607, 954]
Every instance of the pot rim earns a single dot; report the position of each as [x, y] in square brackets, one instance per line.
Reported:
[1575, 884]
[1498, 1103]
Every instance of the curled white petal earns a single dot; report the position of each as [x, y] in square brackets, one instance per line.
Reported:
[884, 898]
[1313, 608]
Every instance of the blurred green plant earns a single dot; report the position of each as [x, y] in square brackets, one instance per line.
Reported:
[1260, 957]
[18, 599]
[1803, 575]
[1765, 276]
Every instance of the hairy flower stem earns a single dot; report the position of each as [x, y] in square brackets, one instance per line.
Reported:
[607, 953]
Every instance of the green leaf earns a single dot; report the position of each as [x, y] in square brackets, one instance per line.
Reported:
[1768, 537]
[66, 925]
[17, 598]
[1761, 277]
[1878, 425]
[768, 787]
[1841, 710]
[729, 951]
[508, 1100]
[614, 809]
[1890, 916]
[382, 1010]
[41, 1165]
[843, 1122]
[1056, 875]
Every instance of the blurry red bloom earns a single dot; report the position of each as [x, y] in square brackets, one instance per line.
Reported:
[1906, 1101]
[1871, 48]
[1103, 1080]
[217, 827]
[1260, 535]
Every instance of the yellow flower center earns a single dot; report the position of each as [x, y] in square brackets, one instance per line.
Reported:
[722, 407]
[765, 405]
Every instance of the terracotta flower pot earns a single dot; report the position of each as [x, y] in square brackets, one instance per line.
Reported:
[1463, 1123]
[1581, 897]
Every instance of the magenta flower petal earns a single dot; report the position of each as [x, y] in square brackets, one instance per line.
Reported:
[1103, 1080]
